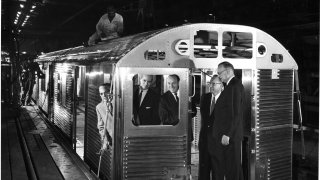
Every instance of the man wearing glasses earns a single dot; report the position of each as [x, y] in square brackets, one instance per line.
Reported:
[227, 130]
[104, 114]
[206, 147]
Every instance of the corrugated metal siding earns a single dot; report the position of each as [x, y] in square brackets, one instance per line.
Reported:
[63, 114]
[274, 125]
[93, 137]
[43, 101]
[150, 157]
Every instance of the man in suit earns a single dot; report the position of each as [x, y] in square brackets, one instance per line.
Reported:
[208, 101]
[227, 130]
[145, 103]
[169, 102]
[104, 114]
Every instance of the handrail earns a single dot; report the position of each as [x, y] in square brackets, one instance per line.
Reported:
[296, 78]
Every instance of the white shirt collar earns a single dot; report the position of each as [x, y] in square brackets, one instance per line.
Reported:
[216, 96]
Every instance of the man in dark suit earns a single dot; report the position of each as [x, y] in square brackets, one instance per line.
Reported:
[227, 130]
[206, 109]
[169, 102]
[145, 103]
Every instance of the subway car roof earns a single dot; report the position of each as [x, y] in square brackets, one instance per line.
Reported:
[174, 47]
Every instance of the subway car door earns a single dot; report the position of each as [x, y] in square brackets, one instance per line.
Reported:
[154, 149]
[78, 126]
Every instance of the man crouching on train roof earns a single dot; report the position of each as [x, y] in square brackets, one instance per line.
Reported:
[105, 118]
[109, 26]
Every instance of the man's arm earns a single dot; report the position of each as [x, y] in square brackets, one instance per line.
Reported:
[166, 116]
[235, 113]
[100, 123]
[120, 26]
[236, 109]
[99, 27]
[163, 112]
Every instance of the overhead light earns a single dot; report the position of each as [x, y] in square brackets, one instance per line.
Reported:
[19, 12]
[15, 22]
[33, 6]
[21, 5]
[23, 24]
[23, 52]
[31, 10]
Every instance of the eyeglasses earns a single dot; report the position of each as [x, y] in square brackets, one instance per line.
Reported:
[212, 84]
[219, 73]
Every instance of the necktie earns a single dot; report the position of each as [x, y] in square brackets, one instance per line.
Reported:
[213, 102]
[139, 98]
[175, 95]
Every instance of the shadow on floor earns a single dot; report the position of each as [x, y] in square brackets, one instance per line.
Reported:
[307, 168]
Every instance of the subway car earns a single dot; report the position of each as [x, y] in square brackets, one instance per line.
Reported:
[68, 96]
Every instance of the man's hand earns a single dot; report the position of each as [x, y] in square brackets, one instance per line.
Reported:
[225, 140]
[105, 145]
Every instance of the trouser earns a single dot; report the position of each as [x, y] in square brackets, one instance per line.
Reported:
[205, 165]
[226, 160]
[27, 92]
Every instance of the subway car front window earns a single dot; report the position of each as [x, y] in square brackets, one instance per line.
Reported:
[155, 100]
[205, 44]
[237, 45]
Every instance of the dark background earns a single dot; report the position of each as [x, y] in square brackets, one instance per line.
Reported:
[60, 24]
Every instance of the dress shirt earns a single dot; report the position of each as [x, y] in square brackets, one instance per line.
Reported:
[175, 95]
[144, 92]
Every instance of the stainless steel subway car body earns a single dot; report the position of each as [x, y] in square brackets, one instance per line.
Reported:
[69, 95]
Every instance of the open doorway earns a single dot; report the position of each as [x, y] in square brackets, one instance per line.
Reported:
[79, 111]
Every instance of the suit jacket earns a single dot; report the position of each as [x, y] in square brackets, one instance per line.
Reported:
[148, 110]
[105, 119]
[168, 109]
[206, 118]
[228, 112]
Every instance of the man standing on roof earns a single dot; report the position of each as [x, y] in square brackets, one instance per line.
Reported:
[109, 26]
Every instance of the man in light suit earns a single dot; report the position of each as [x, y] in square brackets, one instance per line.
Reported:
[145, 103]
[105, 117]
[227, 130]
[207, 105]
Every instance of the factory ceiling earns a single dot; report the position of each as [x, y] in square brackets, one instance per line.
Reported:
[35, 26]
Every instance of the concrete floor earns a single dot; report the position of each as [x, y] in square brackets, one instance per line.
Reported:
[303, 169]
